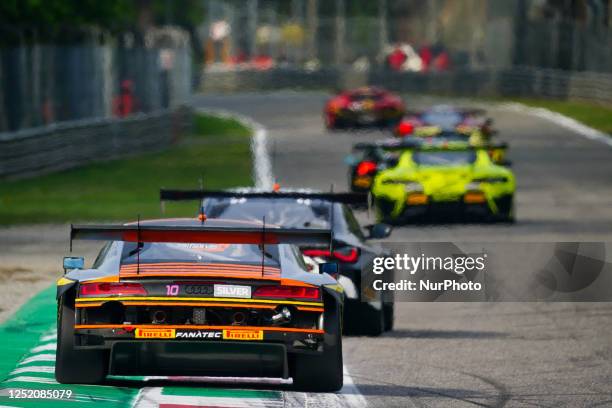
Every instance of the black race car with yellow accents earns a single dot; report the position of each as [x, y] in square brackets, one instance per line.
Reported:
[194, 297]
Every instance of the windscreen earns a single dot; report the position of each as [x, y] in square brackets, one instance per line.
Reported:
[199, 253]
[446, 120]
[288, 213]
[445, 158]
[358, 97]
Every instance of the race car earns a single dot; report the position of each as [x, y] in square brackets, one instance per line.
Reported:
[368, 159]
[365, 313]
[363, 107]
[443, 183]
[445, 118]
[199, 297]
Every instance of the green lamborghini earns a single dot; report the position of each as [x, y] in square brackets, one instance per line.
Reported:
[443, 182]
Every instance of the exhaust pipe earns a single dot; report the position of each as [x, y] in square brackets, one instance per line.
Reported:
[159, 316]
[238, 318]
[283, 316]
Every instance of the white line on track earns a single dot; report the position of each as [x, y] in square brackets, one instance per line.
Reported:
[262, 167]
[561, 120]
[350, 392]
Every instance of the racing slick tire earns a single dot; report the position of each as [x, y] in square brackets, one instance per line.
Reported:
[331, 123]
[322, 372]
[76, 366]
[384, 208]
[506, 210]
[389, 312]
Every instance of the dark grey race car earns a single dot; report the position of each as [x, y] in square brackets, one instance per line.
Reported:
[186, 297]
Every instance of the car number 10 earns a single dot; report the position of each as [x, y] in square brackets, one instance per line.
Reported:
[172, 290]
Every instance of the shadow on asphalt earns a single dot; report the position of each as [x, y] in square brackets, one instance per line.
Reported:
[443, 334]
[393, 390]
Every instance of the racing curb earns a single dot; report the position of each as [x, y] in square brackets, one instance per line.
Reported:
[262, 168]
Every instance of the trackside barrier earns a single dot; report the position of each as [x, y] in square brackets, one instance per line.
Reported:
[61, 146]
[516, 81]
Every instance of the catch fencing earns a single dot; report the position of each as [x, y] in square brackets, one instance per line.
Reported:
[95, 98]
[93, 78]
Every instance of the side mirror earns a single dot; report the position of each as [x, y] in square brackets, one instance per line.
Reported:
[73, 262]
[379, 231]
[330, 268]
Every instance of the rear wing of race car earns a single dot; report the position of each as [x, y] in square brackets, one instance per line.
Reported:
[461, 111]
[185, 195]
[420, 145]
[403, 144]
[197, 234]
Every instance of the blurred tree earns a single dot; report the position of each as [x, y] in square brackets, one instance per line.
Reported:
[107, 14]
[62, 13]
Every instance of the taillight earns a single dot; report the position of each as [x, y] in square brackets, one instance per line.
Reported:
[348, 254]
[106, 288]
[366, 167]
[292, 292]
[405, 128]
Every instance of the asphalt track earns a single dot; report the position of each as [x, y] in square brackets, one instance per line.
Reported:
[484, 354]
[441, 354]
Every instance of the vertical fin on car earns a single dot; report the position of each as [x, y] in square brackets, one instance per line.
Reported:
[263, 245]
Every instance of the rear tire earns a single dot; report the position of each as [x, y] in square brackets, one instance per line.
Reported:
[506, 210]
[323, 372]
[389, 311]
[374, 323]
[75, 366]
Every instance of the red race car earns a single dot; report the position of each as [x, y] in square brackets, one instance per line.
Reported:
[363, 107]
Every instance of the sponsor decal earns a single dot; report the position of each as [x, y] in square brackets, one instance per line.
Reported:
[232, 291]
[155, 333]
[242, 334]
[206, 290]
[198, 334]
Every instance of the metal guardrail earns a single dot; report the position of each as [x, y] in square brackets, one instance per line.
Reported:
[70, 144]
[517, 81]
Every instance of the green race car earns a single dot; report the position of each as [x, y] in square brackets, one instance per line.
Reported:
[443, 182]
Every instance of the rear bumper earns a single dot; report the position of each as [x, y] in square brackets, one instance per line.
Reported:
[176, 358]
[446, 210]
[294, 340]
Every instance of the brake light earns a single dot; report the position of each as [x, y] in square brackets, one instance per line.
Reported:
[293, 292]
[366, 167]
[105, 289]
[349, 254]
[405, 128]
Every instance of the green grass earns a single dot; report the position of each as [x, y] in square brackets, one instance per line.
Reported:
[218, 152]
[593, 115]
